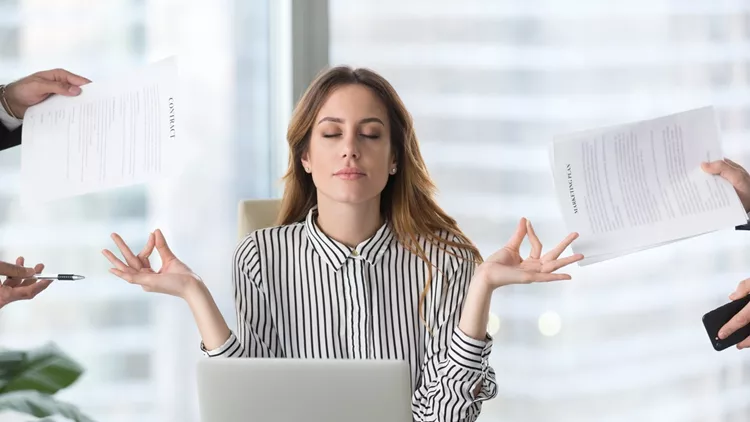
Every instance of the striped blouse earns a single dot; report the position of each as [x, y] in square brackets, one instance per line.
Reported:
[302, 294]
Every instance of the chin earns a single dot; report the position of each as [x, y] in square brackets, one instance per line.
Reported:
[352, 196]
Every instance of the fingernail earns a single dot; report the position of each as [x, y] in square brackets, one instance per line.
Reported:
[74, 89]
[722, 334]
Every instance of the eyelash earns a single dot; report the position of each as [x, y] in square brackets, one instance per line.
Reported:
[362, 135]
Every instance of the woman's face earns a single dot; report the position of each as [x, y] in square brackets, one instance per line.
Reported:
[350, 155]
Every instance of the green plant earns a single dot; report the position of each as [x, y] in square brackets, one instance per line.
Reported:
[29, 380]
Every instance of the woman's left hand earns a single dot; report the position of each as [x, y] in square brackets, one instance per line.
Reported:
[507, 267]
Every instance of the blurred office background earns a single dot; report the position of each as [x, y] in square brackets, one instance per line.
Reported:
[489, 82]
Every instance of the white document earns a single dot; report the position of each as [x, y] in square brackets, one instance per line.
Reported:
[118, 132]
[635, 186]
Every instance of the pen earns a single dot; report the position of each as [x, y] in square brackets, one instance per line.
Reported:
[63, 277]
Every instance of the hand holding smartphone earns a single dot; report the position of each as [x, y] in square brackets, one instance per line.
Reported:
[714, 320]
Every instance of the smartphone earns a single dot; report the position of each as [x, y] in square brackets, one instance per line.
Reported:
[714, 320]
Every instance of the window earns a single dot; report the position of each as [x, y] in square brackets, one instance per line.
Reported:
[139, 349]
[489, 83]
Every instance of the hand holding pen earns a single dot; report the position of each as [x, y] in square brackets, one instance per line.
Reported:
[25, 283]
[19, 284]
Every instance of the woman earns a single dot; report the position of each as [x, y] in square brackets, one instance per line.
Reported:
[364, 263]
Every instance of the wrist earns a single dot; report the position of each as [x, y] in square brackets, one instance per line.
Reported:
[9, 104]
[482, 282]
[195, 290]
[476, 310]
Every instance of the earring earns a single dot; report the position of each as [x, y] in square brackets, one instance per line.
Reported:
[307, 169]
[393, 170]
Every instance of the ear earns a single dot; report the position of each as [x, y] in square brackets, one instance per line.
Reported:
[305, 160]
[394, 163]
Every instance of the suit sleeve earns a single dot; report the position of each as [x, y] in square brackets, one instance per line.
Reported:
[745, 226]
[9, 138]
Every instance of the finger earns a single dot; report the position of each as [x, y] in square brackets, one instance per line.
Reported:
[116, 261]
[141, 279]
[536, 244]
[147, 250]
[130, 258]
[46, 87]
[161, 246]
[723, 169]
[29, 291]
[555, 252]
[27, 282]
[17, 281]
[735, 165]
[743, 289]
[14, 281]
[17, 271]
[544, 277]
[63, 75]
[744, 343]
[122, 274]
[738, 321]
[555, 265]
[515, 241]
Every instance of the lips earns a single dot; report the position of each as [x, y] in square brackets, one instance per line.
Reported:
[349, 173]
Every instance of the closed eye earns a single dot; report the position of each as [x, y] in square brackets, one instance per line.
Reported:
[336, 135]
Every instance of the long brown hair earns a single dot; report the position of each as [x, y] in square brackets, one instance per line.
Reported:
[407, 202]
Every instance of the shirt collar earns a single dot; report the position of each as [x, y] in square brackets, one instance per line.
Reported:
[335, 253]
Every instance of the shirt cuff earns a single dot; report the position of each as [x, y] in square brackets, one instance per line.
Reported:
[468, 352]
[229, 346]
[9, 122]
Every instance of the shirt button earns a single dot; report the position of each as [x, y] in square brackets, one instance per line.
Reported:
[355, 253]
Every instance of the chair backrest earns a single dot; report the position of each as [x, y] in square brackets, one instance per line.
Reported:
[255, 214]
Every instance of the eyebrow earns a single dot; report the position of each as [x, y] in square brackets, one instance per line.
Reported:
[363, 121]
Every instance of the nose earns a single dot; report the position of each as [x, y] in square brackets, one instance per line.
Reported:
[350, 147]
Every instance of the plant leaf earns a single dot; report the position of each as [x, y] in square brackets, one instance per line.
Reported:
[9, 360]
[40, 405]
[45, 369]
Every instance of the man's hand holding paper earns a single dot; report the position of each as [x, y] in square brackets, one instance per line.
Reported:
[734, 174]
[636, 186]
[119, 131]
[35, 88]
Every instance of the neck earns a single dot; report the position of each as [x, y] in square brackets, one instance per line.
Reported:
[350, 224]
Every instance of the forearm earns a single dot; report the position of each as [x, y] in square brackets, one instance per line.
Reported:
[211, 324]
[476, 310]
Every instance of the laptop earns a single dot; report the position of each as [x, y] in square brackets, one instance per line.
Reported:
[309, 390]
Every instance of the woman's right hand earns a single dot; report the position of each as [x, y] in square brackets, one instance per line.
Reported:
[173, 278]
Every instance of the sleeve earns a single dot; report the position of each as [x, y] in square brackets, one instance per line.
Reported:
[745, 226]
[456, 365]
[10, 130]
[256, 334]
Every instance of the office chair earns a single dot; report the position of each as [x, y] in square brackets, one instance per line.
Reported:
[257, 214]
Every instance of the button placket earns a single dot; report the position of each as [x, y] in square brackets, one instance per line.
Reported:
[355, 319]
